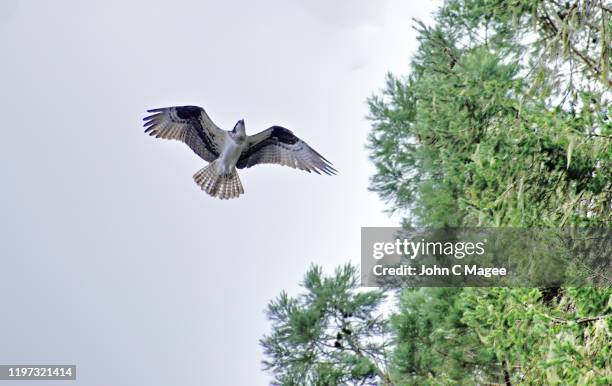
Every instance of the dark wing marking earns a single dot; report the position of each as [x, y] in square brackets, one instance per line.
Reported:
[189, 124]
[278, 145]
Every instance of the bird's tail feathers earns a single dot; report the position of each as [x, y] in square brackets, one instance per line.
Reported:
[223, 186]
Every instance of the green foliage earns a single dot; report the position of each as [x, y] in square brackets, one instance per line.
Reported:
[504, 120]
[549, 342]
[332, 334]
[473, 138]
[434, 345]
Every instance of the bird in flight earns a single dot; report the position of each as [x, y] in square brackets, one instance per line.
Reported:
[227, 150]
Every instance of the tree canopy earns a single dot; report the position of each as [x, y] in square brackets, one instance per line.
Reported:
[503, 121]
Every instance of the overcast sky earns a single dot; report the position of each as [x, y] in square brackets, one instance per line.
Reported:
[111, 257]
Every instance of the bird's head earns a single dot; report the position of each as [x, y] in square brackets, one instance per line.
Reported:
[239, 128]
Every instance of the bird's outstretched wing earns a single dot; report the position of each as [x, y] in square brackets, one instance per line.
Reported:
[189, 124]
[278, 145]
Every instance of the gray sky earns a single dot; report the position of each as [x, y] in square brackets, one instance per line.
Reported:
[112, 258]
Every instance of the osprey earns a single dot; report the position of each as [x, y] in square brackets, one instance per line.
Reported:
[228, 150]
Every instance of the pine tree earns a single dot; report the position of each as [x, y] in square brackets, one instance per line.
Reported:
[332, 334]
[504, 120]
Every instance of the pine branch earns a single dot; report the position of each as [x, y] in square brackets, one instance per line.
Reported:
[590, 63]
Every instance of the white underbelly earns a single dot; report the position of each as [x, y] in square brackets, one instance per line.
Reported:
[229, 156]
